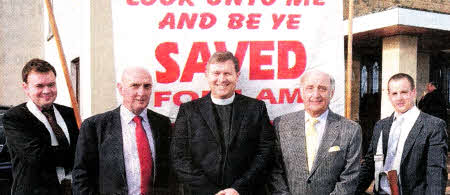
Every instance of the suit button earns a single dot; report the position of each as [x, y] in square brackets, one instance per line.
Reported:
[309, 181]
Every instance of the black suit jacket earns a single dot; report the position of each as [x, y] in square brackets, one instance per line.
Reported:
[99, 163]
[423, 166]
[434, 103]
[199, 157]
[33, 158]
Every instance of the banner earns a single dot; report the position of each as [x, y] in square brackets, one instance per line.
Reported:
[274, 40]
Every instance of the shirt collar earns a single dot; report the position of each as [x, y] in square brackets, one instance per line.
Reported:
[33, 107]
[408, 114]
[128, 115]
[321, 118]
[223, 101]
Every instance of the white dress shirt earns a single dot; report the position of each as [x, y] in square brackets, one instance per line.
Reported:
[60, 172]
[409, 118]
[131, 156]
[320, 125]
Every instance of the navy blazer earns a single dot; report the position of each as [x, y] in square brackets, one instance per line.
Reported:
[423, 166]
[99, 163]
[34, 160]
[205, 165]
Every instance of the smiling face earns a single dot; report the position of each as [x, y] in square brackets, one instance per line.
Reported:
[222, 79]
[316, 91]
[136, 89]
[41, 88]
[401, 95]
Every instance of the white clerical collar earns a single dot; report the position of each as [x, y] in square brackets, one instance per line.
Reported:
[223, 101]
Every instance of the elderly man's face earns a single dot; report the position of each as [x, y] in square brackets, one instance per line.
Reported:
[136, 89]
[316, 93]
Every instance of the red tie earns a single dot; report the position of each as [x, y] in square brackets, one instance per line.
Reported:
[145, 156]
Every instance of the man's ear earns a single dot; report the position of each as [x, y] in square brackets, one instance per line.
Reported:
[24, 86]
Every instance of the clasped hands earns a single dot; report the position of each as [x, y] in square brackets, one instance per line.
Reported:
[228, 191]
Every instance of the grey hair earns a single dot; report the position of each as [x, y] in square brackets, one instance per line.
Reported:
[302, 77]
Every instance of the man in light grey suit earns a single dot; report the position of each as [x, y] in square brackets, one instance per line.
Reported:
[318, 151]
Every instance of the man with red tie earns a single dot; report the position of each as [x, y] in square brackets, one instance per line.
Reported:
[126, 150]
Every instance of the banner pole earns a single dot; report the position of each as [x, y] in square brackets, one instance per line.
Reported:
[348, 75]
[62, 58]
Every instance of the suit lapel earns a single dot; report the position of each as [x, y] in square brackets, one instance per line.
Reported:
[116, 142]
[329, 136]
[71, 127]
[299, 133]
[293, 131]
[237, 117]
[153, 125]
[207, 111]
[155, 134]
[386, 130]
[36, 122]
[412, 136]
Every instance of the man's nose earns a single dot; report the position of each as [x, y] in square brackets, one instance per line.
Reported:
[141, 90]
[46, 89]
[315, 92]
[221, 78]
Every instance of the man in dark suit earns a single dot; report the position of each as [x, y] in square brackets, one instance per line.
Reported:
[126, 150]
[410, 142]
[222, 143]
[41, 135]
[317, 151]
[434, 102]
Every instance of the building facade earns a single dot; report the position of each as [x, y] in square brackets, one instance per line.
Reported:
[391, 37]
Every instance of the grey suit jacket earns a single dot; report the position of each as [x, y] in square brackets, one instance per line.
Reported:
[423, 166]
[336, 167]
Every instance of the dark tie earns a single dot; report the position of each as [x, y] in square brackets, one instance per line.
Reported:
[145, 156]
[59, 134]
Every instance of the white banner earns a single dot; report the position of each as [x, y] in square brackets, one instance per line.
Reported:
[275, 41]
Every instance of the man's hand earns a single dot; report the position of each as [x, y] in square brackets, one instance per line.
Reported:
[228, 191]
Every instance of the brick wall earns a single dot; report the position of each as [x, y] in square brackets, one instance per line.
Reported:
[364, 7]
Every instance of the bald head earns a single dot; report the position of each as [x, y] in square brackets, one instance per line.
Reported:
[132, 71]
[135, 88]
